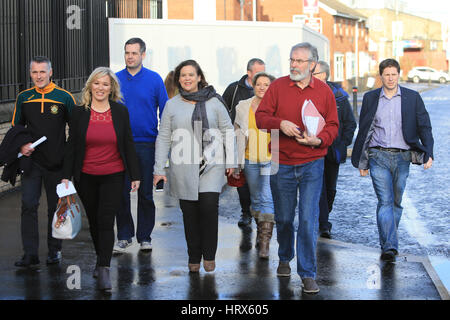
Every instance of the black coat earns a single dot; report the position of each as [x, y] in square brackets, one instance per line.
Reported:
[14, 139]
[76, 144]
[234, 93]
[337, 152]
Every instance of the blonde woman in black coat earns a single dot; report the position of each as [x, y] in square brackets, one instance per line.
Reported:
[100, 149]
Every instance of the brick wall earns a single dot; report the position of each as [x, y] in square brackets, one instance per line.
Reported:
[279, 10]
[267, 10]
[180, 9]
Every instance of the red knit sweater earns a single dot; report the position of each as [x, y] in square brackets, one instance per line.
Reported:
[283, 101]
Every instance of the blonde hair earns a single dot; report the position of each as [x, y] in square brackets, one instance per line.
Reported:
[86, 93]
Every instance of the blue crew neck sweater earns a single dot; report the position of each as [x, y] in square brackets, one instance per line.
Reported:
[143, 94]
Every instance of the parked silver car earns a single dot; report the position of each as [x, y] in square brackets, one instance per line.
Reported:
[418, 74]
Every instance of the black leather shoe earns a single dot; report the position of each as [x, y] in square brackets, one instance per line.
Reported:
[95, 274]
[388, 256]
[54, 257]
[325, 234]
[27, 261]
[245, 221]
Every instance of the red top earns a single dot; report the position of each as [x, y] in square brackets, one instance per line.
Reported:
[283, 101]
[102, 154]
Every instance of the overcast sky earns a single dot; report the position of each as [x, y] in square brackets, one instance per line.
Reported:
[435, 9]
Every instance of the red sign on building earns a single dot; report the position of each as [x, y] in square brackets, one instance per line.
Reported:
[311, 6]
[314, 23]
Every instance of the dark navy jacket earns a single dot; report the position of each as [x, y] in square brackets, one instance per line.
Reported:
[337, 152]
[416, 125]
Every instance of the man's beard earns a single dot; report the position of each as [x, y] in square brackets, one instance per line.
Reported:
[298, 76]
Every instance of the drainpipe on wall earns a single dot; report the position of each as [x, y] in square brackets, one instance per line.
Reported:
[242, 9]
[356, 52]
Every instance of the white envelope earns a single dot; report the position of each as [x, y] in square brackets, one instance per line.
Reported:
[62, 191]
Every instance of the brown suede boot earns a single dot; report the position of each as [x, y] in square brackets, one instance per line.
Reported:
[266, 234]
[258, 234]
[255, 215]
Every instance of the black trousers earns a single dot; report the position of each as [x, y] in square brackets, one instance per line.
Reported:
[31, 194]
[101, 197]
[201, 220]
[244, 199]
[330, 176]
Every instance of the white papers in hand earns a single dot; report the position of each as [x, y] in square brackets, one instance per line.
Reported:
[312, 119]
[34, 144]
[311, 124]
[62, 191]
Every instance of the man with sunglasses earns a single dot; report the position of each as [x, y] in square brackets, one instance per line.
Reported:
[299, 159]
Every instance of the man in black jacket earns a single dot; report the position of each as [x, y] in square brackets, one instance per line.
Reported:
[337, 152]
[235, 92]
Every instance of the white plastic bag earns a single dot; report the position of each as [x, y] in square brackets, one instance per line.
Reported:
[67, 218]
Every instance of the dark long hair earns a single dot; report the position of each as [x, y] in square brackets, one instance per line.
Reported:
[199, 71]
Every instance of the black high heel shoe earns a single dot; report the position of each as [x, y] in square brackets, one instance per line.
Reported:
[104, 281]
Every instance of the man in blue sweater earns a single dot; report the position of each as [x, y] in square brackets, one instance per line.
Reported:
[143, 93]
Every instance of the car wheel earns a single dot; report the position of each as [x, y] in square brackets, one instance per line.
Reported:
[442, 80]
[416, 79]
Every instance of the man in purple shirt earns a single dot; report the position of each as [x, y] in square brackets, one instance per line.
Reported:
[394, 130]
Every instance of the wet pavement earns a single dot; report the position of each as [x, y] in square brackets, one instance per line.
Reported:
[345, 271]
[348, 266]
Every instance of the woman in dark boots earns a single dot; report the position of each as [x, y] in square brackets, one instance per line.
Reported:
[254, 153]
[100, 149]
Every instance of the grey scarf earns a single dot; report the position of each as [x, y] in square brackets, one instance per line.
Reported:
[200, 115]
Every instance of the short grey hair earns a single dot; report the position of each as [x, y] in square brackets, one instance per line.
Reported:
[251, 63]
[324, 67]
[313, 54]
[41, 59]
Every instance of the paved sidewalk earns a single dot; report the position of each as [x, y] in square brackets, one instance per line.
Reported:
[345, 271]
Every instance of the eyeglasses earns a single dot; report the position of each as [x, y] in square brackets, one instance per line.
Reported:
[298, 61]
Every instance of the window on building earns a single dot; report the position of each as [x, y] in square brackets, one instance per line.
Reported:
[433, 45]
[376, 23]
[364, 63]
[350, 63]
[338, 67]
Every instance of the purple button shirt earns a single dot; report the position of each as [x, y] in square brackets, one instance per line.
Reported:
[388, 123]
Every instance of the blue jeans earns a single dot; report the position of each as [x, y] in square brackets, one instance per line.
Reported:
[146, 206]
[305, 181]
[389, 172]
[258, 179]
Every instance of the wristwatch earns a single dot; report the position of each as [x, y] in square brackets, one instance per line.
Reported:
[319, 143]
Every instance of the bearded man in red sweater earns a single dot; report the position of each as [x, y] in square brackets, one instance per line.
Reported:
[299, 157]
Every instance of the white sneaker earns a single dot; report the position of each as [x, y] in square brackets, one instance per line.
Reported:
[146, 246]
[121, 246]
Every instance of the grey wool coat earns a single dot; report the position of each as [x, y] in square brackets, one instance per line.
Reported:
[177, 146]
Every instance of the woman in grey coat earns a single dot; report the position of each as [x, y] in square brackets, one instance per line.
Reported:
[197, 140]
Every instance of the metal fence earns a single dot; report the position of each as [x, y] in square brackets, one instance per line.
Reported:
[72, 33]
